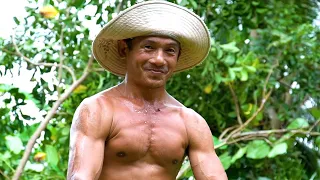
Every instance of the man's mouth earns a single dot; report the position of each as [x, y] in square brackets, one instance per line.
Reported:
[157, 71]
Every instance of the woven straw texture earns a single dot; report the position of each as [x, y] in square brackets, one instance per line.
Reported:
[149, 18]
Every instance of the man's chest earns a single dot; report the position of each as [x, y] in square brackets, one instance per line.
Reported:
[159, 137]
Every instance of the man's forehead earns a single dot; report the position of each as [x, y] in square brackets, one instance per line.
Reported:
[158, 38]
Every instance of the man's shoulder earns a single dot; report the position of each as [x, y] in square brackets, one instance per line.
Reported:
[191, 117]
[186, 113]
[100, 99]
[94, 112]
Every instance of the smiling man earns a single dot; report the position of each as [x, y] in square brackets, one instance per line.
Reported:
[136, 130]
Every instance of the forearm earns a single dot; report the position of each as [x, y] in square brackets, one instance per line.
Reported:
[80, 176]
[203, 172]
[207, 167]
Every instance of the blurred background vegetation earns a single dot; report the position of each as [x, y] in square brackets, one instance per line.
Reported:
[259, 88]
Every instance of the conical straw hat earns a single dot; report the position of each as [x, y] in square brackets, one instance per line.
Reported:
[153, 18]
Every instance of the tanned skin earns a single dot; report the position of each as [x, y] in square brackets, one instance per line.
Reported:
[136, 130]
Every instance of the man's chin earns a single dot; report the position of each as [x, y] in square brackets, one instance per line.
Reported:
[155, 83]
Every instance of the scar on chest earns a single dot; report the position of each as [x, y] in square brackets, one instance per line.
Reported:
[121, 154]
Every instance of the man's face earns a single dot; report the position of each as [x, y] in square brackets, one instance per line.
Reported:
[151, 60]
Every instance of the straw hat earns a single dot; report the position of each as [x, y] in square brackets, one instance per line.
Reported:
[153, 18]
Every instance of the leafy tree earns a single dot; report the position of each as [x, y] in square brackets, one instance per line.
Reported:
[253, 89]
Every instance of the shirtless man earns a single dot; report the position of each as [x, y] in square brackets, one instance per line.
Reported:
[136, 130]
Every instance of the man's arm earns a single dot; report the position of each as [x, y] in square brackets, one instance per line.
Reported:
[90, 127]
[204, 161]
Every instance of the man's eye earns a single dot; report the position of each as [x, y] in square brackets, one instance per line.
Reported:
[171, 50]
[148, 47]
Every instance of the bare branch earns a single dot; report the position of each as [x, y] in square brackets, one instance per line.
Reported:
[48, 117]
[236, 103]
[268, 132]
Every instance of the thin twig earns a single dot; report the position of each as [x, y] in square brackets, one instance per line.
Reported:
[48, 117]
[314, 125]
[236, 103]
[98, 70]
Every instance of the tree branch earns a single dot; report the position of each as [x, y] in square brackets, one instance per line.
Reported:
[48, 117]
[18, 53]
[236, 103]
[227, 130]
[61, 56]
[263, 101]
[4, 175]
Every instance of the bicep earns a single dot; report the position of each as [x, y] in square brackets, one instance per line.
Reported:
[85, 156]
[87, 141]
[203, 159]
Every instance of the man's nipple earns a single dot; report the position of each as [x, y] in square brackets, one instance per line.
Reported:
[121, 154]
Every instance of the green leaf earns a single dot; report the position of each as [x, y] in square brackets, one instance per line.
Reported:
[52, 155]
[229, 60]
[257, 149]
[315, 112]
[239, 154]
[65, 131]
[219, 53]
[225, 159]
[251, 69]
[194, 4]
[189, 101]
[79, 3]
[14, 144]
[230, 47]
[16, 20]
[244, 75]
[298, 123]
[232, 75]
[261, 10]
[278, 149]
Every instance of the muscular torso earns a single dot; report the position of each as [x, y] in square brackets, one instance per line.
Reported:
[145, 141]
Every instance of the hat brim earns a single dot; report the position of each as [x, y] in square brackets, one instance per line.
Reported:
[149, 18]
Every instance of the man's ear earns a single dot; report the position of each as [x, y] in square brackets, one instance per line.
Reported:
[122, 48]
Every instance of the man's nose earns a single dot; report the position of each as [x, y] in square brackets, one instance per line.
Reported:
[158, 59]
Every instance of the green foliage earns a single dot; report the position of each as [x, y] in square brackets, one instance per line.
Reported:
[250, 39]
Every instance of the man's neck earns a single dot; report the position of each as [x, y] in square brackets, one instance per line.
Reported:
[143, 93]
